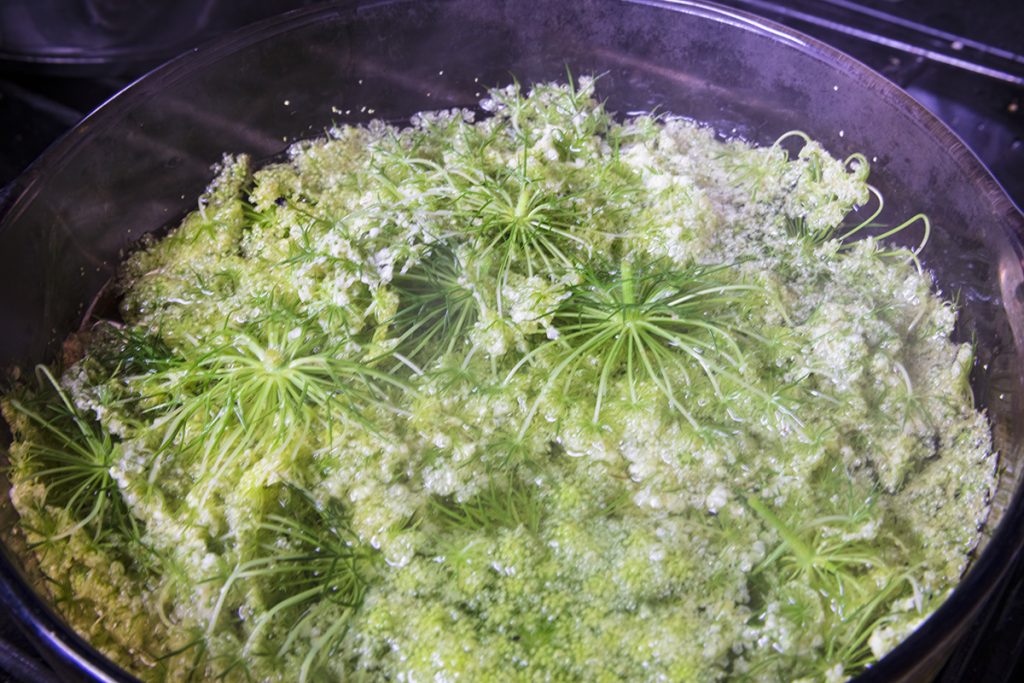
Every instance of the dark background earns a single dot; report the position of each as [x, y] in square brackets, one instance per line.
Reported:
[60, 59]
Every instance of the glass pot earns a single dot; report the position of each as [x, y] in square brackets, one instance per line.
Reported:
[138, 163]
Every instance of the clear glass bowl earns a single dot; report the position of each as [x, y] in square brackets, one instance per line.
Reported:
[138, 163]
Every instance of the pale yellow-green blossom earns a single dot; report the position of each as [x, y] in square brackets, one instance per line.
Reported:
[541, 394]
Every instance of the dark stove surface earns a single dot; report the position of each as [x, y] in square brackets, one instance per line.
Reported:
[964, 62]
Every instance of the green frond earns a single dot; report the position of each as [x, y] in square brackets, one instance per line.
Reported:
[665, 325]
[829, 561]
[126, 350]
[436, 309]
[516, 222]
[848, 642]
[311, 567]
[265, 391]
[265, 219]
[72, 455]
[827, 556]
[500, 505]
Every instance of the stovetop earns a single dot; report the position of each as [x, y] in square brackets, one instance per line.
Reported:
[964, 63]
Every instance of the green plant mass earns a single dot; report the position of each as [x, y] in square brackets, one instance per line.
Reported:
[530, 392]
